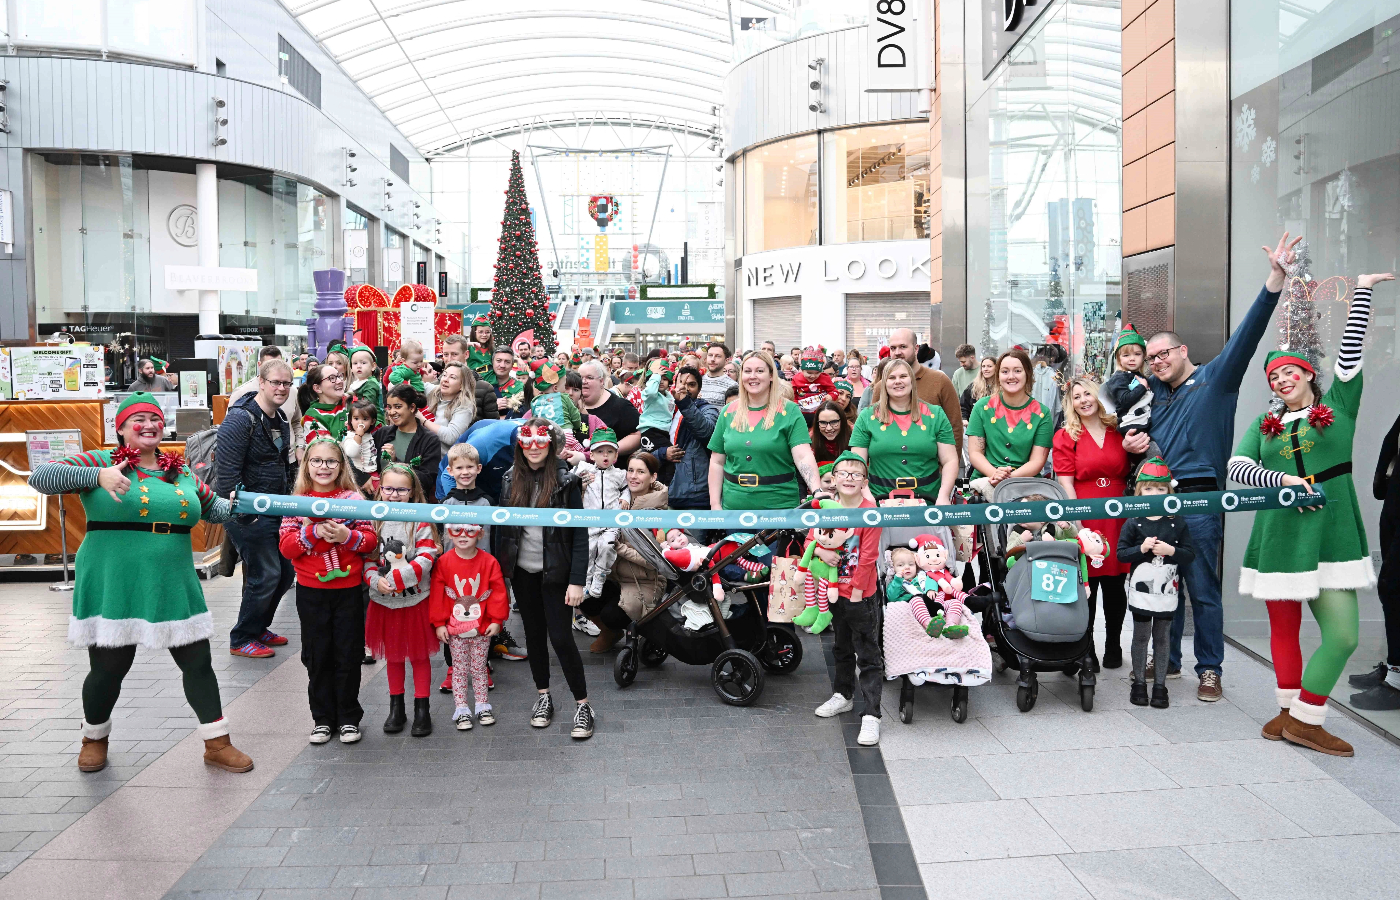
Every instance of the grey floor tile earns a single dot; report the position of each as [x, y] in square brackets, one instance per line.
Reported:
[952, 780]
[1025, 878]
[1110, 728]
[952, 832]
[691, 887]
[935, 737]
[1231, 762]
[1163, 873]
[1323, 807]
[1358, 867]
[1065, 772]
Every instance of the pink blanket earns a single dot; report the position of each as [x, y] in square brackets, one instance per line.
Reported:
[909, 651]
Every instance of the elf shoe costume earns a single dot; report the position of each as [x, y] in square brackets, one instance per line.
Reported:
[135, 584]
[1319, 556]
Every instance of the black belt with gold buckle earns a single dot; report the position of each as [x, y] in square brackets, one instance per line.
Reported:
[748, 479]
[148, 527]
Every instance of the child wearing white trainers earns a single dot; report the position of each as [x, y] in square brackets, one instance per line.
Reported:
[468, 606]
[606, 490]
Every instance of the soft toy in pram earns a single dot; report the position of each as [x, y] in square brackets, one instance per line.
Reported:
[821, 578]
[943, 609]
[752, 567]
[688, 556]
[1093, 546]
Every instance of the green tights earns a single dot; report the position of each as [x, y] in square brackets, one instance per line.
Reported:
[109, 665]
[1338, 617]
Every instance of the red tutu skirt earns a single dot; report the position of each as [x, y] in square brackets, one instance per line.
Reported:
[400, 634]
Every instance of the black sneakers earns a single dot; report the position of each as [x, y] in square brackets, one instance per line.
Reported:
[583, 722]
[543, 713]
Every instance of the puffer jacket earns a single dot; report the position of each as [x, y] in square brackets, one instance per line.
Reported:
[565, 549]
[642, 586]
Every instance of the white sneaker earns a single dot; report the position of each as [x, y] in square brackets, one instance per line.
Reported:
[835, 706]
[350, 734]
[463, 718]
[321, 734]
[581, 623]
[869, 731]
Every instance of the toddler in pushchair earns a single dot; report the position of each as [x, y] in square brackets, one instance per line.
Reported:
[1039, 615]
[709, 615]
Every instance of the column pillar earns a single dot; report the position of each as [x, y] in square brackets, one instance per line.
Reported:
[206, 192]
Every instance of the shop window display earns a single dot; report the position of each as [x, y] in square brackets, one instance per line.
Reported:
[1312, 151]
[1044, 156]
[876, 183]
[780, 193]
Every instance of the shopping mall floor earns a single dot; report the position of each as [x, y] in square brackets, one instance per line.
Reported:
[677, 796]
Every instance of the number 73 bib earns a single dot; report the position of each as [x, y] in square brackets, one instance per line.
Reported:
[1054, 582]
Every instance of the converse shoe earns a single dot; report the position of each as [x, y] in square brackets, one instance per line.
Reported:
[350, 734]
[835, 706]
[543, 713]
[869, 731]
[463, 718]
[1151, 673]
[485, 716]
[581, 623]
[583, 722]
[321, 734]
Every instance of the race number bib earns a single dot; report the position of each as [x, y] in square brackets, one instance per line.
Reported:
[1054, 582]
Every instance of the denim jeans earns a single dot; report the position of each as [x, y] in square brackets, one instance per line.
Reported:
[267, 575]
[1203, 587]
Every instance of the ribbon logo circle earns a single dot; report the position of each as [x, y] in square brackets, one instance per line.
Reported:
[379, 510]
[1286, 496]
[1172, 504]
[501, 515]
[685, 520]
[1054, 511]
[439, 514]
[320, 506]
[748, 519]
[1229, 500]
[563, 517]
[1113, 507]
[933, 515]
[994, 513]
[871, 517]
[810, 519]
[624, 519]
[262, 503]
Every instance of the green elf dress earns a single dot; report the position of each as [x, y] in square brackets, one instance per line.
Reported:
[1318, 556]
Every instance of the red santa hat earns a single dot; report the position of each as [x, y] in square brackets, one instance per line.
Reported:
[926, 542]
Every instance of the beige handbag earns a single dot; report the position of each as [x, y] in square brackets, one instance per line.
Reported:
[784, 590]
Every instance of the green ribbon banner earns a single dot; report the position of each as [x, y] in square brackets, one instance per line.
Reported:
[1212, 503]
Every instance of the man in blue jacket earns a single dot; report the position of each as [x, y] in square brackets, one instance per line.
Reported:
[690, 485]
[1193, 422]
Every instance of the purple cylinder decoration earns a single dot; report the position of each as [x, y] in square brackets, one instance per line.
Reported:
[329, 322]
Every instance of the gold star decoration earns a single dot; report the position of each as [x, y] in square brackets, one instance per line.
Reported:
[179, 493]
[184, 503]
[184, 515]
[145, 499]
[144, 489]
[144, 512]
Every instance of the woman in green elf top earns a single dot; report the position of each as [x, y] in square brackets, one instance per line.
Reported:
[135, 582]
[760, 451]
[1009, 433]
[907, 444]
[1316, 554]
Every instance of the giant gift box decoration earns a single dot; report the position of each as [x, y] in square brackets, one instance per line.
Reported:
[379, 325]
[366, 296]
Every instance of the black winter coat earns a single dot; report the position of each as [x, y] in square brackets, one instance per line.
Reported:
[424, 446]
[565, 549]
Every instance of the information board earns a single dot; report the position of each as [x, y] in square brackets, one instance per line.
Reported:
[68, 372]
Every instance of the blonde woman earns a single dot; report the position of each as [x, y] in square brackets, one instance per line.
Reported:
[1090, 462]
[453, 402]
[760, 451]
[982, 384]
[907, 444]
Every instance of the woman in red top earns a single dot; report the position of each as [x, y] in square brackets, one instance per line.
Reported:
[1090, 462]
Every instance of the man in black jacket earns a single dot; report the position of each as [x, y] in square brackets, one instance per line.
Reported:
[1382, 684]
[251, 452]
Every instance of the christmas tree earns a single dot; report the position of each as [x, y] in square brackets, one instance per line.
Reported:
[518, 300]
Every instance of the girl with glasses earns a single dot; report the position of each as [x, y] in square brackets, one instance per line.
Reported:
[329, 558]
[831, 432]
[398, 628]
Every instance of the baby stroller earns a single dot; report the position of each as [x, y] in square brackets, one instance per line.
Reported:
[738, 649]
[1031, 632]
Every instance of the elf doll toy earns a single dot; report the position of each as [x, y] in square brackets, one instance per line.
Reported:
[810, 385]
[820, 569]
[943, 612]
[1318, 555]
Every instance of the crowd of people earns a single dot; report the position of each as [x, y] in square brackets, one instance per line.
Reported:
[698, 427]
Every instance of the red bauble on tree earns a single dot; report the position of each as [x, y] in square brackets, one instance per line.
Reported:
[518, 300]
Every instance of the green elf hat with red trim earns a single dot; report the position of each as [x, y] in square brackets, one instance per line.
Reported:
[1129, 337]
[141, 401]
[603, 436]
[481, 320]
[1286, 358]
[544, 373]
[825, 468]
[1155, 469]
[158, 363]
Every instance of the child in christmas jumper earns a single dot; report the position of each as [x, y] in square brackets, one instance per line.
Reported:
[468, 607]
[328, 555]
[397, 627]
[321, 399]
[607, 490]
[1157, 547]
[364, 384]
[1125, 394]
[551, 402]
[658, 409]
[358, 446]
[855, 613]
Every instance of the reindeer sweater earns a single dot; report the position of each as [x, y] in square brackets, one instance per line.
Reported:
[319, 563]
[457, 580]
[410, 577]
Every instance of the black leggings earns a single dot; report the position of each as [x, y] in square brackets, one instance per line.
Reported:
[1388, 580]
[548, 619]
[109, 665]
[1110, 590]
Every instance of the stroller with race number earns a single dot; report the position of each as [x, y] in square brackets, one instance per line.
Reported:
[737, 642]
[1039, 615]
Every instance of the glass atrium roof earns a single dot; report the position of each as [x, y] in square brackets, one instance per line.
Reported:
[450, 73]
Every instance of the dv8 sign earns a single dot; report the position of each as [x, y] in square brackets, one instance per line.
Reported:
[895, 48]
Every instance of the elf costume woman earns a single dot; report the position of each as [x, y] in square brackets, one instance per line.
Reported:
[1319, 555]
[135, 582]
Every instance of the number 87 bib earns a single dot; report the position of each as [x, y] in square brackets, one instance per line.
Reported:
[1053, 582]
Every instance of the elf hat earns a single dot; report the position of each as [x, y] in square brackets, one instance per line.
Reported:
[481, 320]
[141, 401]
[603, 437]
[825, 468]
[925, 542]
[1286, 358]
[849, 456]
[159, 364]
[337, 346]
[362, 349]
[812, 360]
[544, 373]
[842, 384]
[1129, 337]
[1154, 469]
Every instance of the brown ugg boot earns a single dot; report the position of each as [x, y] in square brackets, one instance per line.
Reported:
[1304, 728]
[606, 639]
[1273, 729]
[220, 753]
[93, 756]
